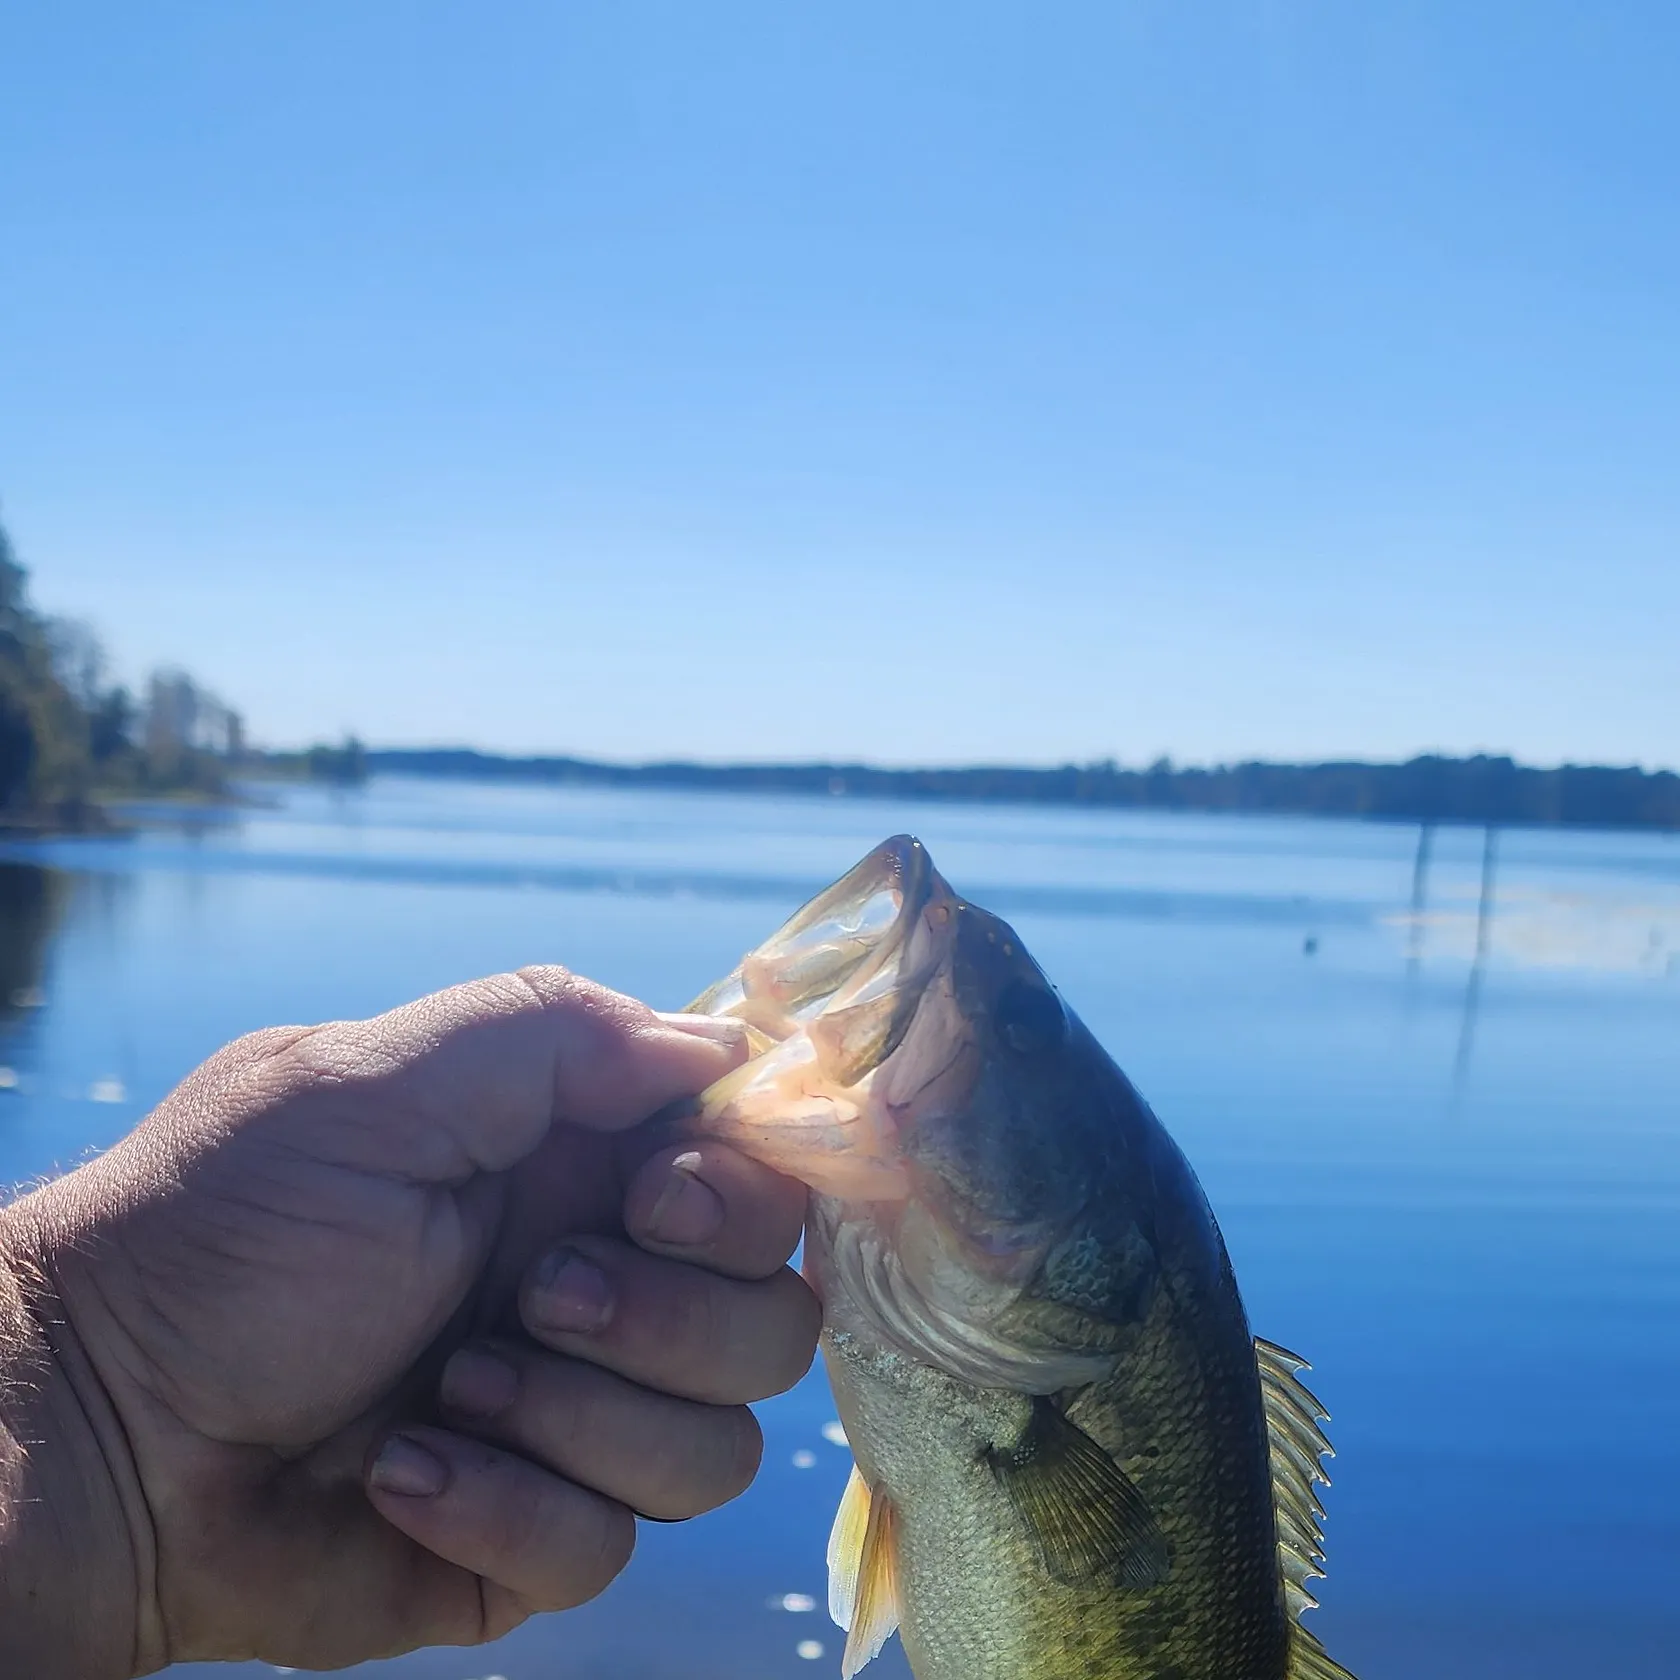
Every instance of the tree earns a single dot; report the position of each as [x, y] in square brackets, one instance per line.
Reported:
[346, 764]
[64, 728]
[111, 726]
[17, 746]
[78, 659]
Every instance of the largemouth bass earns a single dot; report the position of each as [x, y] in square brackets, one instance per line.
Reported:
[1072, 1459]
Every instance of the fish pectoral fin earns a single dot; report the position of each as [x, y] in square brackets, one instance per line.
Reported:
[1084, 1513]
[863, 1572]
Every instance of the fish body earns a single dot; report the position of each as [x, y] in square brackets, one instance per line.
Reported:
[1072, 1460]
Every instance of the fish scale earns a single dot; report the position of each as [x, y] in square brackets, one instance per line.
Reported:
[1073, 1462]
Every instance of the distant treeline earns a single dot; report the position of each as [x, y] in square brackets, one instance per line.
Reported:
[345, 764]
[68, 734]
[1430, 789]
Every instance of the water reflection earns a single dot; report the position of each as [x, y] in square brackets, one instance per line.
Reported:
[31, 901]
[1420, 903]
[1478, 962]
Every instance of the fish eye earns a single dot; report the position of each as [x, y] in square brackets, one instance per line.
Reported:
[1029, 1018]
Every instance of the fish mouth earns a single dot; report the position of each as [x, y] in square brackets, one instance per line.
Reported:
[826, 1000]
[862, 1042]
[840, 963]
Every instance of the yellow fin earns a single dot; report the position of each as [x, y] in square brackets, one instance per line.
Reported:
[1298, 1447]
[863, 1572]
[845, 1549]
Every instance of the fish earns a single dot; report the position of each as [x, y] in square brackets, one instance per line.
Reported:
[1072, 1459]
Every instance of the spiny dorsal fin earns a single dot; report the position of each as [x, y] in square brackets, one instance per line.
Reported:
[1297, 1447]
[863, 1572]
[1308, 1660]
[1084, 1513]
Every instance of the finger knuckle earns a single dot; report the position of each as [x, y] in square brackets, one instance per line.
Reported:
[709, 1459]
[266, 1042]
[706, 1317]
[743, 1453]
[796, 1346]
[537, 985]
[576, 1420]
[514, 1522]
[501, 1611]
[268, 1058]
[603, 1543]
[683, 1319]
[354, 1053]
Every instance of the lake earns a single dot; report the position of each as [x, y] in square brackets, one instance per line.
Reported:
[1436, 1108]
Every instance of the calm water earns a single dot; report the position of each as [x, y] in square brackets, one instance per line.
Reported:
[1453, 1184]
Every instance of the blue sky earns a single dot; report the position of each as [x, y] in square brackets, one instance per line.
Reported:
[910, 382]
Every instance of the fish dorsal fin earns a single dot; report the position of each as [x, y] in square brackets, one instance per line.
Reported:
[1298, 1447]
[1308, 1660]
[1085, 1515]
[863, 1572]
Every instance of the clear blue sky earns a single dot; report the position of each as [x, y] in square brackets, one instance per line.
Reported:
[916, 382]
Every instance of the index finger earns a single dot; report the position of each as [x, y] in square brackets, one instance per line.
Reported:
[481, 1071]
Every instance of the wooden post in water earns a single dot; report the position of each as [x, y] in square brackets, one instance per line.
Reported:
[1484, 935]
[1420, 899]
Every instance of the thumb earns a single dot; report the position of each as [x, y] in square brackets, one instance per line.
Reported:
[486, 1068]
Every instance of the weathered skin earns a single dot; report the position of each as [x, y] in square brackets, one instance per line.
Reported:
[1003, 1232]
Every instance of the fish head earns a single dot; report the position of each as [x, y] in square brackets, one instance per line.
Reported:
[918, 1070]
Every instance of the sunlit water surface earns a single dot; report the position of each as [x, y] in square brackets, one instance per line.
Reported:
[1451, 1181]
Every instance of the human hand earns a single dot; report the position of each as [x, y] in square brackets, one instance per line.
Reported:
[307, 1317]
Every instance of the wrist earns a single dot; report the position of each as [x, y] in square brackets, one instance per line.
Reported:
[75, 1552]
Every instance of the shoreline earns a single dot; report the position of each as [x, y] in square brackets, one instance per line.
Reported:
[1473, 792]
[1478, 792]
